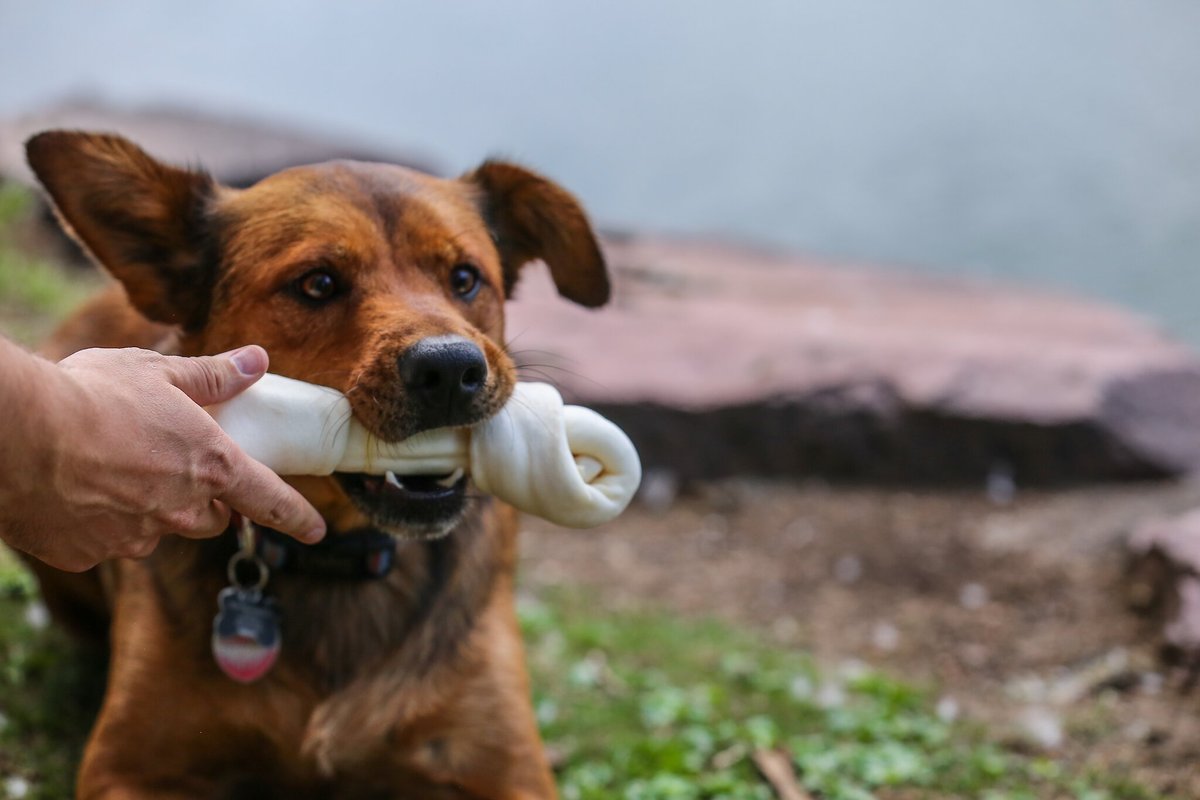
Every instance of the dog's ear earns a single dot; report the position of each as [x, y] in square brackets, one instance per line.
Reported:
[141, 219]
[533, 218]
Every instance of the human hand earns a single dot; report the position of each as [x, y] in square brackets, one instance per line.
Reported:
[119, 453]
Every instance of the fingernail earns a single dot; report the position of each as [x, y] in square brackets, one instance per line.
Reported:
[315, 535]
[247, 361]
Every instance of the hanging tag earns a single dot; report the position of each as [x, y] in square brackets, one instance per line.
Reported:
[245, 640]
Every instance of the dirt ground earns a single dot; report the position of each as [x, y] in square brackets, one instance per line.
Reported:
[1014, 613]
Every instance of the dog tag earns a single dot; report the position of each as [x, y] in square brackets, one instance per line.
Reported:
[245, 640]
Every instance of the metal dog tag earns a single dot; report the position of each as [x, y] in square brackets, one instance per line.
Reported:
[245, 639]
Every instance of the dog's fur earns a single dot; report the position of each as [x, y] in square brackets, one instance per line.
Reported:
[411, 686]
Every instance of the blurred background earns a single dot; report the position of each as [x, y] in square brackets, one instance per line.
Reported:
[1052, 142]
[904, 329]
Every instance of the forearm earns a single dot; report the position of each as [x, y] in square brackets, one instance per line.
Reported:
[26, 453]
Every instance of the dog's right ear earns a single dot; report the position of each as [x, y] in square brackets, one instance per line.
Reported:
[143, 220]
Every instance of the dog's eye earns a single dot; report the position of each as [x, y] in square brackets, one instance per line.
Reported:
[464, 281]
[317, 285]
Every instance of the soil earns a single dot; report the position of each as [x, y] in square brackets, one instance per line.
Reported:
[1013, 610]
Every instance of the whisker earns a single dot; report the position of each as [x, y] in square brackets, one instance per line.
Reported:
[565, 371]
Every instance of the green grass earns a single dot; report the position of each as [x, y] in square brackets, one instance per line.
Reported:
[34, 293]
[638, 706]
[50, 690]
[648, 706]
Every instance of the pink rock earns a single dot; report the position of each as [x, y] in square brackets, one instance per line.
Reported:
[722, 360]
[1166, 579]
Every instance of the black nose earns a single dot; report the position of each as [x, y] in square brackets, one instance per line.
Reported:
[443, 374]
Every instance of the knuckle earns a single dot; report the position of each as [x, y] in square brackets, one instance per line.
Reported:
[178, 521]
[140, 548]
[216, 470]
[147, 360]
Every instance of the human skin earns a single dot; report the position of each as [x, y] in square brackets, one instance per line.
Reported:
[107, 451]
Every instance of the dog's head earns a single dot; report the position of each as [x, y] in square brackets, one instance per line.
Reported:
[379, 281]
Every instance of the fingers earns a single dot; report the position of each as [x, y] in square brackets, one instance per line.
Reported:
[213, 379]
[261, 495]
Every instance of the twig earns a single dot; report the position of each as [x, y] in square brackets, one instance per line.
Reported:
[776, 767]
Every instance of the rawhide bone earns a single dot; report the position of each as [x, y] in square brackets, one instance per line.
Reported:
[566, 464]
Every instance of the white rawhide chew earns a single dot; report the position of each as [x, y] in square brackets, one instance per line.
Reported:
[566, 464]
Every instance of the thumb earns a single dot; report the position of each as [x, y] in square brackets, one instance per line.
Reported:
[215, 379]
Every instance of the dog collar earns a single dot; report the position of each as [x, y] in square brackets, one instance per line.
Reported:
[359, 555]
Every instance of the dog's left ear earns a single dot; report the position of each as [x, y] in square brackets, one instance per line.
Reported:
[533, 218]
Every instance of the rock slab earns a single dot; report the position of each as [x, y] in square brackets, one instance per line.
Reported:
[720, 360]
[1166, 580]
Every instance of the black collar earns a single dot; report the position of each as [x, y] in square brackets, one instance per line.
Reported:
[363, 554]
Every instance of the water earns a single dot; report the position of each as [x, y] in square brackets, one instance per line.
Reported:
[1056, 143]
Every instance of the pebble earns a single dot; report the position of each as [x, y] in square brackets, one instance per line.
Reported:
[973, 596]
[885, 636]
[848, 569]
[659, 489]
[1001, 485]
[800, 532]
[1137, 730]
[1041, 726]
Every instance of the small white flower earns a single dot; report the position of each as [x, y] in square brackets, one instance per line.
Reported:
[831, 695]
[947, 709]
[36, 615]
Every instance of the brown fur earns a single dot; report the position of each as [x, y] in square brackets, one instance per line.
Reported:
[412, 686]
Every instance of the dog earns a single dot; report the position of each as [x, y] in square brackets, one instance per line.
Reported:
[388, 285]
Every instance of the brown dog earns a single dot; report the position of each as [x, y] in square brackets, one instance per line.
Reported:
[387, 285]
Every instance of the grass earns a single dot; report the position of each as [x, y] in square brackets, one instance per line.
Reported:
[648, 706]
[34, 293]
[49, 693]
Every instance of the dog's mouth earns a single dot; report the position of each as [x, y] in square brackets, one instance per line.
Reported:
[408, 506]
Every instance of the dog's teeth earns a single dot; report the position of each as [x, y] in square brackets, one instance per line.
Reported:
[451, 479]
[392, 480]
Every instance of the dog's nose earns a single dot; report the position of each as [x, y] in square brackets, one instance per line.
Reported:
[443, 374]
